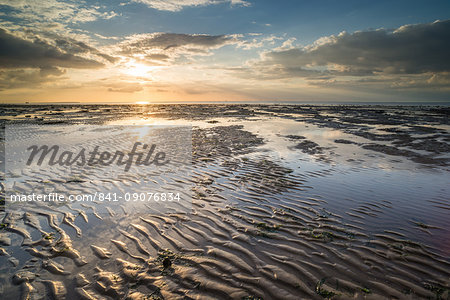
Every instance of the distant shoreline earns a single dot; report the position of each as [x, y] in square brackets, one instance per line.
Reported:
[242, 103]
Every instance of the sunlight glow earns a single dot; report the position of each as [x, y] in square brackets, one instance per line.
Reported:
[138, 70]
[142, 102]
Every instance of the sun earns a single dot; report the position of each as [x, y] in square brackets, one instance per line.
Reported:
[142, 102]
[138, 70]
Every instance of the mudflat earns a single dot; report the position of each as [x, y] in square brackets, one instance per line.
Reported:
[288, 202]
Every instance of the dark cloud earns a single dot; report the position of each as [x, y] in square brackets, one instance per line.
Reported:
[76, 47]
[410, 49]
[157, 57]
[28, 78]
[168, 46]
[16, 52]
[51, 71]
[167, 41]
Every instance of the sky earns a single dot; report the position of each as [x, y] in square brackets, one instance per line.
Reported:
[224, 51]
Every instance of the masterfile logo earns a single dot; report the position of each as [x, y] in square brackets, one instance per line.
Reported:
[103, 158]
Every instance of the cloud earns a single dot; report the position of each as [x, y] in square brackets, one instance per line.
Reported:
[125, 87]
[168, 41]
[162, 57]
[51, 71]
[411, 57]
[410, 49]
[170, 46]
[33, 12]
[440, 80]
[255, 40]
[177, 5]
[73, 46]
[17, 52]
[389, 83]
[28, 78]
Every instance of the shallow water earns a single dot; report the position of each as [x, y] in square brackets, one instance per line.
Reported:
[288, 202]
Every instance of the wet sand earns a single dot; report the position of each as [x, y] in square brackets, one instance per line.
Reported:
[288, 202]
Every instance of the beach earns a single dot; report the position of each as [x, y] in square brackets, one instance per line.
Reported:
[281, 202]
